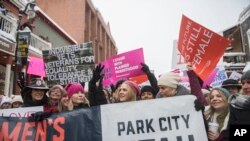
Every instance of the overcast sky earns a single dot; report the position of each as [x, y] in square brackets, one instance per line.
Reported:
[154, 24]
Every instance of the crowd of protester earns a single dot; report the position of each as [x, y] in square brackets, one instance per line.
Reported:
[221, 106]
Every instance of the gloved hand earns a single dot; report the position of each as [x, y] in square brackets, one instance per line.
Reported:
[145, 68]
[97, 73]
[39, 116]
[100, 81]
[100, 95]
[198, 106]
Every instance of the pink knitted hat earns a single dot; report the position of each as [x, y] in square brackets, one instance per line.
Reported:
[73, 88]
[134, 87]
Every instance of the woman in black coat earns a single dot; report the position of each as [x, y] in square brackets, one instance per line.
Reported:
[240, 104]
[35, 93]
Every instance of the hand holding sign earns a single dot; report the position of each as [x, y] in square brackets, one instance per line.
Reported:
[97, 73]
[39, 116]
[198, 105]
[145, 68]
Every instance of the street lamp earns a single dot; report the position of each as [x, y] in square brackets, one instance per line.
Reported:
[30, 9]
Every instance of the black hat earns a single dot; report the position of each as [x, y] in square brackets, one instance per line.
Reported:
[38, 83]
[148, 89]
[231, 83]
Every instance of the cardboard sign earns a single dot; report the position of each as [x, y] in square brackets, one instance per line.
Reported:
[68, 64]
[200, 46]
[165, 119]
[20, 112]
[122, 66]
[36, 67]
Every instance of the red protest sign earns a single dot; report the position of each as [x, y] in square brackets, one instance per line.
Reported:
[200, 46]
[139, 79]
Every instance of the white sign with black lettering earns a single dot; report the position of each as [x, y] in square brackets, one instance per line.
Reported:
[20, 112]
[155, 120]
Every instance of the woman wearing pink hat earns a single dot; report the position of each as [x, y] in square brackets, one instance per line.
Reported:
[76, 96]
[128, 91]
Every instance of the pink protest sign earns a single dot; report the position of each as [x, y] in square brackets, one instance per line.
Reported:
[210, 78]
[36, 67]
[123, 66]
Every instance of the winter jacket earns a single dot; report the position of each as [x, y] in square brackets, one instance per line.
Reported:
[195, 86]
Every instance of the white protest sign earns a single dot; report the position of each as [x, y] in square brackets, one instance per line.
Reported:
[235, 75]
[20, 112]
[160, 119]
[219, 78]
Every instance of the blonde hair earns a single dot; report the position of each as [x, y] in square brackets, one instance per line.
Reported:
[70, 107]
[221, 117]
[131, 92]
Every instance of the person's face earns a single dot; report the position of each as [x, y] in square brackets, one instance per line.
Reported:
[78, 98]
[55, 94]
[207, 98]
[17, 104]
[218, 101]
[166, 91]
[65, 101]
[6, 105]
[146, 95]
[233, 90]
[246, 87]
[37, 95]
[124, 93]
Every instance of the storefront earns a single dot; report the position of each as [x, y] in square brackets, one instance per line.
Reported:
[7, 50]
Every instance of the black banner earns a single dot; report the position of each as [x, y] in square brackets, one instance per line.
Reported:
[78, 125]
[128, 121]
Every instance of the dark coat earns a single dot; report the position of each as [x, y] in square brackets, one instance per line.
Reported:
[238, 115]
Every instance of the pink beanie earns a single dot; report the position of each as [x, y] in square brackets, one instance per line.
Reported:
[134, 87]
[73, 88]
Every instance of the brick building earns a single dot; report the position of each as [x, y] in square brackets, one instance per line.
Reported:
[81, 20]
[44, 34]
